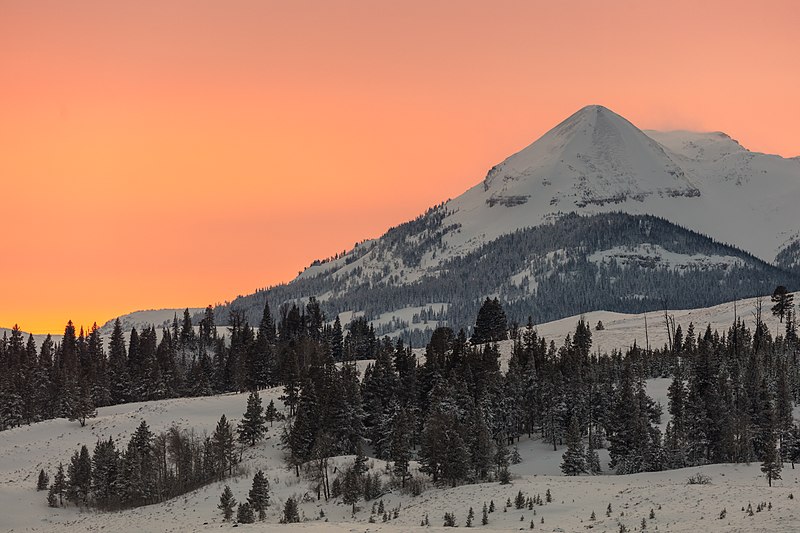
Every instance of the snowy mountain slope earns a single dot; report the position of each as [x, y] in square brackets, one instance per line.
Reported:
[150, 317]
[621, 330]
[593, 163]
[597, 161]
[575, 264]
[677, 507]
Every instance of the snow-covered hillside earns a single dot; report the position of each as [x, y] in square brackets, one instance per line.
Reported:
[150, 317]
[669, 202]
[676, 505]
[597, 161]
[621, 330]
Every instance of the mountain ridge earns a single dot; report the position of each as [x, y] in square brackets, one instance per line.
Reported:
[595, 163]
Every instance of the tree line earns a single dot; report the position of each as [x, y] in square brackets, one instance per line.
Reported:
[457, 414]
[153, 467]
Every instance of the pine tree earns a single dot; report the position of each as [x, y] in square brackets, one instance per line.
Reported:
[60, 484]
[271, 413]
[593, 461]
[138, 468]
[259, 495]
[470, 517]
[223, 448]
[772, 461]
[120, 384]
[491, 324]
[400, 452]
[291, 514]
[252, 427]
[43, 481]
[83, 407]
[484, 515]
[226, 503]
[52, 499]
[351, 488]
[105, 472]
[574, 459]
[79, 473]
[783, 301]
[244, 514]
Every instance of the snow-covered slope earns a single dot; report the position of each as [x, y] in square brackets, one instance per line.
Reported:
[594, 163]
[598, 161]
[150, 317]
[621, 330]
[676, 505]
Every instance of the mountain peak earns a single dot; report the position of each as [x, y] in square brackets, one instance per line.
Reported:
[594, 156]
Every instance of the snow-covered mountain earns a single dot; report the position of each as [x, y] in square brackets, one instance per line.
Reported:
[594, 163]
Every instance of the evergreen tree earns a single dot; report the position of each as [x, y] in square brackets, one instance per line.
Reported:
[351, 488]
[783, 300]
[291, 514]
[401, 447]
[772, 461]
[223, 448]
[574, 459]
[105, 472]
[83, 405]
[226, 503]
[244, 514]
[60, 484]
[252, 427]
[120, 385]
[138, 468]
[491, 324]
[271, 413]
[259, 495]
[79, 474]
[43, 481]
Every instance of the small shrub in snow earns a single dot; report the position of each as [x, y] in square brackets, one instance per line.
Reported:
[698, 479]
[723, 513]
[516, 458]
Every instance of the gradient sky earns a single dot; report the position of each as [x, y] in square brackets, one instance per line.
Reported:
[179, 153]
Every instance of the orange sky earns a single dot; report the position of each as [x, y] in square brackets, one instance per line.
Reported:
[165, 154]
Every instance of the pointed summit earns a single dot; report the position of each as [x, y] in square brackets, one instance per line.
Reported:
[595, 156]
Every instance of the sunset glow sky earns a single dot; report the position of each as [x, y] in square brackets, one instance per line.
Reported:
[179, 153]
